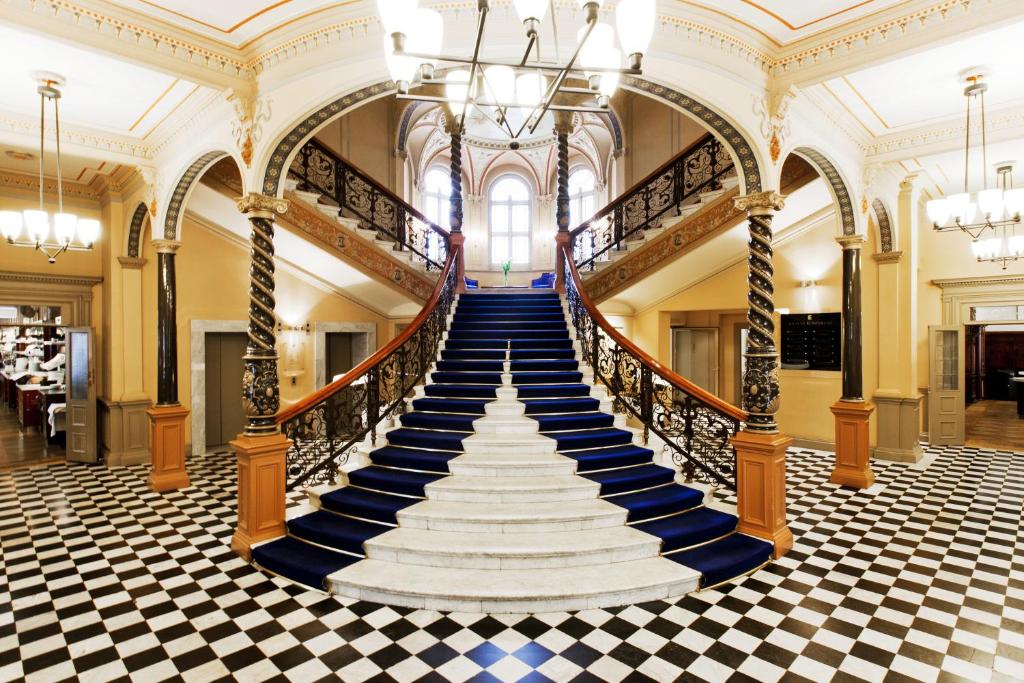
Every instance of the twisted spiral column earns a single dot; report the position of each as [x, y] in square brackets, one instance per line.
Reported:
[260, 391]
[761, 378]
[455, 199]
[562, 197]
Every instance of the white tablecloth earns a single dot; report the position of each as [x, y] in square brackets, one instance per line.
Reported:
[57, 417]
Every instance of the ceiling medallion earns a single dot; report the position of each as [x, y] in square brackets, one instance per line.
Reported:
[515, 96]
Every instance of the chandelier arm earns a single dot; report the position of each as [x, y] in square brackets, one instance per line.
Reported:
[967, 143]
[529, 48]
[984, 146]
[481, 22]
[42, 143]
[56, 123]
[549, 97]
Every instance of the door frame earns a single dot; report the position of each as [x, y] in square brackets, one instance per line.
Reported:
[197, 365]
[363, 344]
[717, 352]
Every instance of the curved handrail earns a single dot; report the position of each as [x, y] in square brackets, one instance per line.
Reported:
[360, 370]
[330, 423]
[694, 423]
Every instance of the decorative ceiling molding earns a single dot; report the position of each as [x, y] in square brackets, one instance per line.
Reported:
[24, 181]
[951, 131]
[76, 135]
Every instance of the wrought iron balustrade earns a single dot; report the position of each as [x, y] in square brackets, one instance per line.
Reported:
[695, 426]
[329, 425]
[359, 196]
[699, 168]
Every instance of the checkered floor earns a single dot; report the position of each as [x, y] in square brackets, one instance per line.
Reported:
[919, 578]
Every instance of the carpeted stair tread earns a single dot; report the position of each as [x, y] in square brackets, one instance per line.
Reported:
[390, 480]
[507, 325]
[335, 531]
[466, 377]
[489, 332]
[422, 438]
[460, 391]
[545, 365]
[560, 377]
[553, 316]
[725, 559]
[544, 354]
[443, 421]
[632, 478]
[689, 529]
[364, 504]
[594, 438]
[572, 390]
[299, 561]
[613, 456]
[473, 354]
[562, 423]
[665, 500]
[470, 365]
[561, 405]
[412, 458]
[450, 405]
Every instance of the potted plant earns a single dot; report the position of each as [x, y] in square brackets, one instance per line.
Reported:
[505, 267]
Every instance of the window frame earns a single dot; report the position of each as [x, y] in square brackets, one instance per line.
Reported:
[528, 203]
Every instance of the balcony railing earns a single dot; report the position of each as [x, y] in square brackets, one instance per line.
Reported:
[699, 168]
[359, 196]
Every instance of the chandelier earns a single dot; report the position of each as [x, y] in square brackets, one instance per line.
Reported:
[997, 208]
[36, 222]
[504, 92]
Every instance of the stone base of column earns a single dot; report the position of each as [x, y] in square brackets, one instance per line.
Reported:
[561, 240]
[124, 431]
[458, 240]
[761, 488]
[853, 459]
[899, 428]
[167, 446]
[261, 481]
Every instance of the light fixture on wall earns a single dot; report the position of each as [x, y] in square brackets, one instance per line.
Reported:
[412, 49]
[997, 208]
[36, 223]
[293, 363]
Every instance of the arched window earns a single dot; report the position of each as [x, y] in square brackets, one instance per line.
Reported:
[510, 221]
[437, 188]
[582, 196]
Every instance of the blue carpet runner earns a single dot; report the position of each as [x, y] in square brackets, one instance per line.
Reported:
[529, 330]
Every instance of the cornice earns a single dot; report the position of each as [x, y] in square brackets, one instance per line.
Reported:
[950, 130]
[41, 278]
[76, 135]
[981, 281]
[28, 182]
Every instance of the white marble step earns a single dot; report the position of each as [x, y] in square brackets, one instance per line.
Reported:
[328, 210]
[467, 489]
[515, 445]
[513, 590]
[509, 462]
[500, 518]
[308, 197]
[512, 551]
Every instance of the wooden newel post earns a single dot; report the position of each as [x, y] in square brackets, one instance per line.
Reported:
[455, 205]
[262, 448]
[760, 447]
[563, 126]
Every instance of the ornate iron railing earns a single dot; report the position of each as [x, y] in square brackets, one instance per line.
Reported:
[699, 168]
[359, 196]
[695, 426]
[329, 425]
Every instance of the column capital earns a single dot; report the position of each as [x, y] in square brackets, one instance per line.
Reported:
[256, 205]
[910, 182]
[166, 246]
[888, 257]
[131, 262]
[760, 203]
[851, 241]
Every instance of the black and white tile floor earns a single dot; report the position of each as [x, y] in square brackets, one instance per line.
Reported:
[919, 578]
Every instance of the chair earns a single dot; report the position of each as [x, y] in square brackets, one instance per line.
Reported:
[471, 284]
[545, 281]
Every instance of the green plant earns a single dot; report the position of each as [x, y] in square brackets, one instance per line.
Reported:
[505, 267]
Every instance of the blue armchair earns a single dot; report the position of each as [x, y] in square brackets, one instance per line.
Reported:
[545, 281]
[471, 284]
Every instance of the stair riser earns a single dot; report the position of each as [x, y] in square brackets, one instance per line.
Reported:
[511, 526]
[379, 550]
[547, 495]
[538, 469]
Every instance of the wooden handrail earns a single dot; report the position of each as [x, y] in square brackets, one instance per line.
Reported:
[636, 187]
[355, 373]
[677, 381]
[409, 208]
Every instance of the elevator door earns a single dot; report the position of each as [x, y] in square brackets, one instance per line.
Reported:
[225, 418]
[339, 354]
[695, 356]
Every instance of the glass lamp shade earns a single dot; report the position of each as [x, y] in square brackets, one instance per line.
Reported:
[10, 225]
[530, 88]
[961, 208]
[1015, 245]
[88, 231]
[599, 42]
[635, 20]
[396, 15]
[531, 9]
[425, 34]
[501, 83]
[610, 79]
[456, 89]
[37, 225]
[938, 211]
[987, 248]
[401, 67]
[991, 203]
[1013, 201]
[64, 225]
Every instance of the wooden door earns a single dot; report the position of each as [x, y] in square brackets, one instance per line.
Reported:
[946, 395]
[81, 396]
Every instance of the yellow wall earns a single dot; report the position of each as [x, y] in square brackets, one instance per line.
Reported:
[652, 134]
[366, 136]
[213, 284]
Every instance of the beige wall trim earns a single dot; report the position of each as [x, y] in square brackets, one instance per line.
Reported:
[888, 257]
[983, 281]
[131, 262]
[814, 444]
[363, 344]
[959, 295]
[197, 366]
[124, 432]
[899, 426]
[72, 294]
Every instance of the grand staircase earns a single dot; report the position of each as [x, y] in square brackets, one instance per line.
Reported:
[508, 484]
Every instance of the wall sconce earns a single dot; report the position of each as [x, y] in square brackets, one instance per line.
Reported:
[292, 338]
[808, 283]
